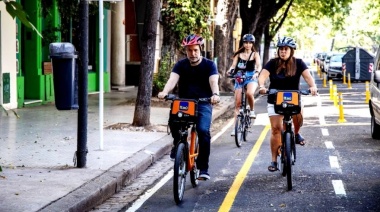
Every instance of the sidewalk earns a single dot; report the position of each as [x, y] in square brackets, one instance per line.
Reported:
[37, 151]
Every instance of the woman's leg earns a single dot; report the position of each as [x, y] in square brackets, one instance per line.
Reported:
[275, 138]
[251, 89]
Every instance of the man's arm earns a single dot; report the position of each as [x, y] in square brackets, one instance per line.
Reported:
[213, 79]
[170, 84]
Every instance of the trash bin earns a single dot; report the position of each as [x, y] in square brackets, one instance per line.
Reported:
[65, 75]
[358, 63]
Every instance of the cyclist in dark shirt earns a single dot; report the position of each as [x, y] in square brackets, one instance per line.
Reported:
[197, 77]
[284, 73]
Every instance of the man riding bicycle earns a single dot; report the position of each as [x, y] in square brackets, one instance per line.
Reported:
[197, 77]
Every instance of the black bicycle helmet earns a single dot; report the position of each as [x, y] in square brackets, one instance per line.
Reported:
[287, 41]
[248, 38]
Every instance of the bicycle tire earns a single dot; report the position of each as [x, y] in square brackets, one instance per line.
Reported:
[246, 126]
[180, 170]
[239, 124]
[194, 173]
[288, 160]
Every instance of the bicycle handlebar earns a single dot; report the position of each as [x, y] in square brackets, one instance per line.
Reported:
[173, 97]
[302, 91]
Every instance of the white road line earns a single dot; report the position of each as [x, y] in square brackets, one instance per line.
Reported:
[338, 187]
[329, 145]
[216, 136]
[325, 132]
[140, 201]
[322, 120]
[334, 162]
[143, 198]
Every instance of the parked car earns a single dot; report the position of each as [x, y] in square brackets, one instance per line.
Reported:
[334, 67]
[374, 101]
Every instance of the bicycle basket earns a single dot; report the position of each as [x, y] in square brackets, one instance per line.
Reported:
[183, 110]
[287, 102]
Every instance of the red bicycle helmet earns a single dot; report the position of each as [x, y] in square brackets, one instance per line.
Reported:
[192, 40]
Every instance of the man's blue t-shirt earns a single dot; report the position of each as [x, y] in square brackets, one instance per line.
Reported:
[194, 80]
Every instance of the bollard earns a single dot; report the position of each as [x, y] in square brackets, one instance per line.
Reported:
[324, 80]
[335, 95]
[367, 92]
[341, 114]
[349, 81]
[344, 73]
[331, 89]
[344, 77]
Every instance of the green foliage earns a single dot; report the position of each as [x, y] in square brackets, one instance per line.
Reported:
[15, 10]
[160, 78]
[184, 17]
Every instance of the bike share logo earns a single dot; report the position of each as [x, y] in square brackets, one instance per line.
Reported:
[184, 105]
[287, 96]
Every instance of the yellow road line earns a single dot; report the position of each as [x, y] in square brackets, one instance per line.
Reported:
[230, 197]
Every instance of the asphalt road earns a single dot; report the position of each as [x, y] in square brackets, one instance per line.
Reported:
[337, 170]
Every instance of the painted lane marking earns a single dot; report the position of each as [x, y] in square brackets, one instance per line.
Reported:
[321, 115]
[140, 201]
[334, 162]
[228, 125]
[329, 145]
[325, 132]
[143, 198]
[338, 187]
[232, 192]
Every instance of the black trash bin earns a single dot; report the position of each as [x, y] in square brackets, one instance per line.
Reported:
[358, 63]
[65, 74]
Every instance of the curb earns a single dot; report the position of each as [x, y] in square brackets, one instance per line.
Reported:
[111, 181]
[102, 187]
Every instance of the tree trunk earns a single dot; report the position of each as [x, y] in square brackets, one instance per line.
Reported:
[226, 10]
[148, 41]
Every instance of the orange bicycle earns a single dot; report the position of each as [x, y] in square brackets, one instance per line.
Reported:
[183, 113]
[287, 103]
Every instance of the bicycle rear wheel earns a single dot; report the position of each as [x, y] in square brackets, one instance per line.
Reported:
[180, 169]
[194, 173]
[239, 130]
[288, 160]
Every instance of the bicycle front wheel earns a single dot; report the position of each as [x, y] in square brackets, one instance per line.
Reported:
[288, 160]
[239, 130]
[180, 169]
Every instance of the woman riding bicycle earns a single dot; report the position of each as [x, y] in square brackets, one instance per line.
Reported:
[284, 73]
[247, 60]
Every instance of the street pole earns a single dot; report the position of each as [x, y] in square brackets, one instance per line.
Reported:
[101, 69]
[81, 152]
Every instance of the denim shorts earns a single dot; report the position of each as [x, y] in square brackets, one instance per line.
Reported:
[249, 78]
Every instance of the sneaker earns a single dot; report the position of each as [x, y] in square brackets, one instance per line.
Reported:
[252, 114]
[172, 153]
[203, 175]
[233, 132]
